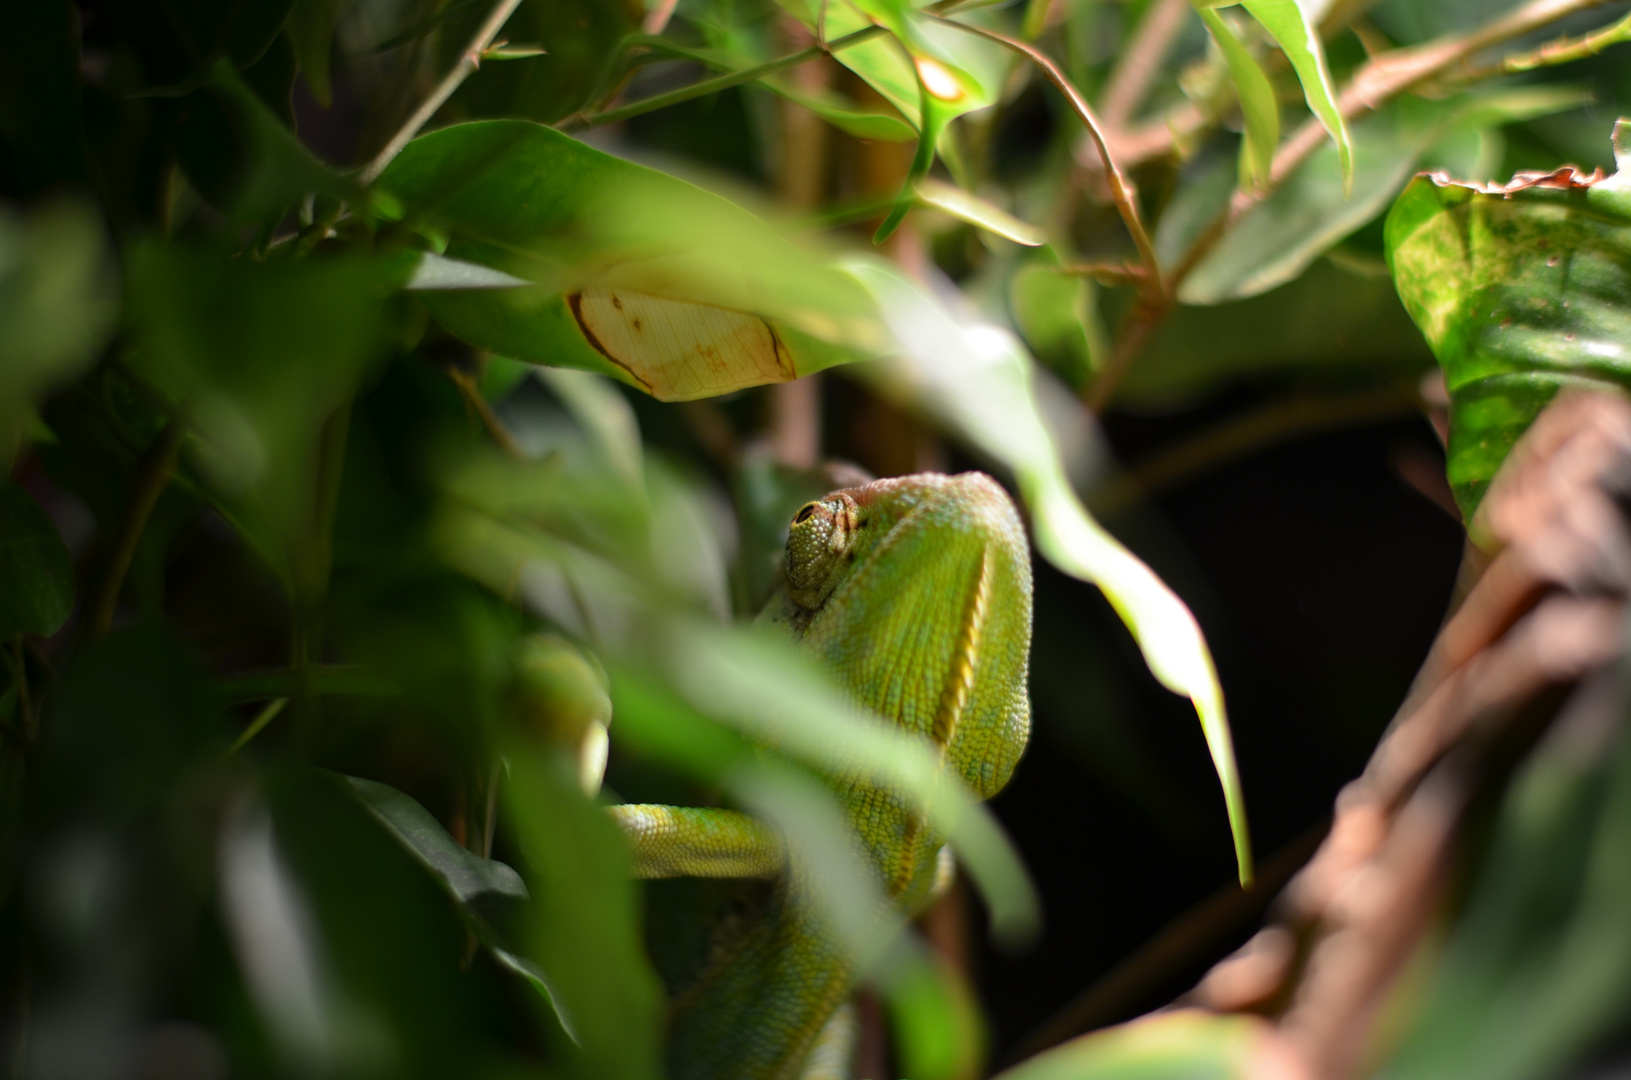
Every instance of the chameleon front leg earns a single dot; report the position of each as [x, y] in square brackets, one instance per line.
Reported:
[683, 841]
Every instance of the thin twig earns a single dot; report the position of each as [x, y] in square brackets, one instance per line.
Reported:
[1562, 51]
[1121, 192]
[1131, 77]
[657, 18]
[468, 62]
[153, 473]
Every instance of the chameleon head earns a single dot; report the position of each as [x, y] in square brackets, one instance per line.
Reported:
[818, 542]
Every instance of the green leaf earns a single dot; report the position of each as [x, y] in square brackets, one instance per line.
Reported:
[977, 380]
[255, 356]
[1519, 293]
[585, 925]
[1288, 23]
[1188, 1043]
[636, 274]
[491, 894]
[1257, 102]
[1277, 239]
[966, 206]
[239, 156]
[310, 29]
[58, 303]
[36, 571]
[1056, 315]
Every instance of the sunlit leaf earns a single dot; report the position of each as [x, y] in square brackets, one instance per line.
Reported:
[1520, 292]
[1257, 102]
[1186, 1043]
[36, 572]
[637, 275]
[977, 379]
[966, 206]
[1289, 24]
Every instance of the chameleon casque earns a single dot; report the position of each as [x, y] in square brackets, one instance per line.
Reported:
[915, 593]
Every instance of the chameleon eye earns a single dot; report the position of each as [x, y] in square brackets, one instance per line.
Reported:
[817, 542]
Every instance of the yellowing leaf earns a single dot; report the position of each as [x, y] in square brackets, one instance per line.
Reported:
[678, 351]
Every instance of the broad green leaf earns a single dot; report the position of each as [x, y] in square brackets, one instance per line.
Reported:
[977, 379]
[1288, 23]
[254, 357]
[36, 571]
[1187, 1043]
[58, 303]
[635, 274]
[1277, 239]
[1257, 103]
[1520, 291]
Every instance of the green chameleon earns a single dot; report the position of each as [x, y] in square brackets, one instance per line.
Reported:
[916, 594]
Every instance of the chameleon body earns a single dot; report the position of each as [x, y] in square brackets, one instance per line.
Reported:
[915, 593]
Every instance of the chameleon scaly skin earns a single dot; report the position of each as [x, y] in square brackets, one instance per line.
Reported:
[915, 593]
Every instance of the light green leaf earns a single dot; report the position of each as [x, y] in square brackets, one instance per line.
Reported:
[36, 572]
[977, 379]
[966, 206]
[1288, 24]
[1257, 103]
[634, 274]
[1188, 1044]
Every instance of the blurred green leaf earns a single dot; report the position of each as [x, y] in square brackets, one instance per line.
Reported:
[1277, 239]
[1537, 969]
[1257, 102]
[1056, 315]
[639, 275]
[58, 304]
[977, 379]
[1520, 293]
[585, 926]
[36, 571]
[966, 206]
[241, 157]
[1187, 1043]
[1291, 25]
[310, 29]
[254, 357]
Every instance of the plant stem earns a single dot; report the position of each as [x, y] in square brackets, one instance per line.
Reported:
[1121, 192]
[153, 474]
[468, 62]
[1561, 51]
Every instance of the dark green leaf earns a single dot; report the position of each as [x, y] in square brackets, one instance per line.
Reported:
[36, 572]
[1520, 292]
